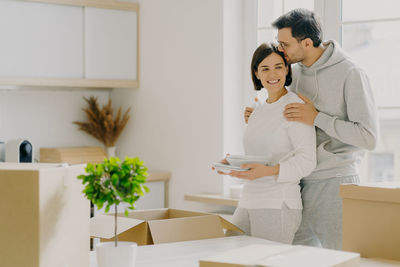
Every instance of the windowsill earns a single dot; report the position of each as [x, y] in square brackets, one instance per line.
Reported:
[389, 113]
[212, 199]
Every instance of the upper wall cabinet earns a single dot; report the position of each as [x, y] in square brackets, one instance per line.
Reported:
[109, 39]
[71, 43]
[40, 40]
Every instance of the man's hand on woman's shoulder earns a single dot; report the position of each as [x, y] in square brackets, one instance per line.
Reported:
[305, 113]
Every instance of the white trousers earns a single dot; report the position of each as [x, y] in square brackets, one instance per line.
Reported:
[279, 225]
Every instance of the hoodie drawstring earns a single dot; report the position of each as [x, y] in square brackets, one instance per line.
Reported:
[297, 84]
[316, 85]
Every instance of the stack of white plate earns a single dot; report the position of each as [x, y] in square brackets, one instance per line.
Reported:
[228, 168]
[235, 161]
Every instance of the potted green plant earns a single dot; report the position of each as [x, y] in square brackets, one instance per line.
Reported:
[110, 183]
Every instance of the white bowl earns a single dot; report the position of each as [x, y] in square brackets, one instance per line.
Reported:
[237, 160]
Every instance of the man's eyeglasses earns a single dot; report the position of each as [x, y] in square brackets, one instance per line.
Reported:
[284, 45]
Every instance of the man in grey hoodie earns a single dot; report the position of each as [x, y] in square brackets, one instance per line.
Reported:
[339, 102]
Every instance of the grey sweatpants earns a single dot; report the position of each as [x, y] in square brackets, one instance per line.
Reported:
[278, 225]
[321, 225]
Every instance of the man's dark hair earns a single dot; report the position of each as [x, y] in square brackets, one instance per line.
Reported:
[304, 24]
[263, 51]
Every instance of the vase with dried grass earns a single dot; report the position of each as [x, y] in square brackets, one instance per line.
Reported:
[101, 124]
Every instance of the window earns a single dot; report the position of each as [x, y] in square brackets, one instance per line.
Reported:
[269, 10]
[369, 33]
[371, 36]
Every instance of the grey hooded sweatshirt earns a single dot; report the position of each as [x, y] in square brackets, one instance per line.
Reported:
[346, 124]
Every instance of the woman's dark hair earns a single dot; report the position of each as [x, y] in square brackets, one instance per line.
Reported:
[304, 24]
[263, 51]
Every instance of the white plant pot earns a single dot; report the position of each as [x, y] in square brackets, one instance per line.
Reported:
[110, 256]
[111, 151]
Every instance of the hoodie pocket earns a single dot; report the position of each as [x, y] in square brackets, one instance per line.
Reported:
[325, 158]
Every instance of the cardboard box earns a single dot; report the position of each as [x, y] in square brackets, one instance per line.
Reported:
[379, 262]
[45, 217]
[282, 256]
[371, 219]
[72, 155]
[157, 226]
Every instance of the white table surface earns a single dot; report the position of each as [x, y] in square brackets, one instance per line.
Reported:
[188, 253]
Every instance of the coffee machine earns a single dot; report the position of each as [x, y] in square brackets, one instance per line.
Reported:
[19, 150]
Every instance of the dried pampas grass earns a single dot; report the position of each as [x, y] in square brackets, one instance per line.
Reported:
[101, 124]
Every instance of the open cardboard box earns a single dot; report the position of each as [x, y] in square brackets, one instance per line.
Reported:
[282, 256]
[146, 227]
[371, 219]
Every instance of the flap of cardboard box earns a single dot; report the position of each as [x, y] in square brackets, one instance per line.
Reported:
[174, 213]
[378, 262]
[244, 256]
[311, 257]
[147, 215]
[373, 191]
[282, 255]
[230, 226]
[184, 229]
[103, 225]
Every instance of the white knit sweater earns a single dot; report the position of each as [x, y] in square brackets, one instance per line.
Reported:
[291, 144]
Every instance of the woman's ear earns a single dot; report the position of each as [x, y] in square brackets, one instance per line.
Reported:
[287, 69]
[256, 73]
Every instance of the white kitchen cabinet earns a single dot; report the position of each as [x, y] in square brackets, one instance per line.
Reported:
[68, 43]
[40, 40]
[110, 42]
[154, 199]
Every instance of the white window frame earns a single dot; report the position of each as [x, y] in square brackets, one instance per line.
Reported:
[320, 7]
[331, 13]
[331, 16]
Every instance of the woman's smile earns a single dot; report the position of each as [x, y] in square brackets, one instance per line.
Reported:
[273, 81]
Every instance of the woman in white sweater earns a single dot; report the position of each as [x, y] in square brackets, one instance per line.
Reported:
[270, 206]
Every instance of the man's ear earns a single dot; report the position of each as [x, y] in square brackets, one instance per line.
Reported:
[308, 42]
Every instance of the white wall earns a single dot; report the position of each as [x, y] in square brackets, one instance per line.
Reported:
[45, 116]
[233, 82]
[233, 76]
[239, 43]
[177, 113]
